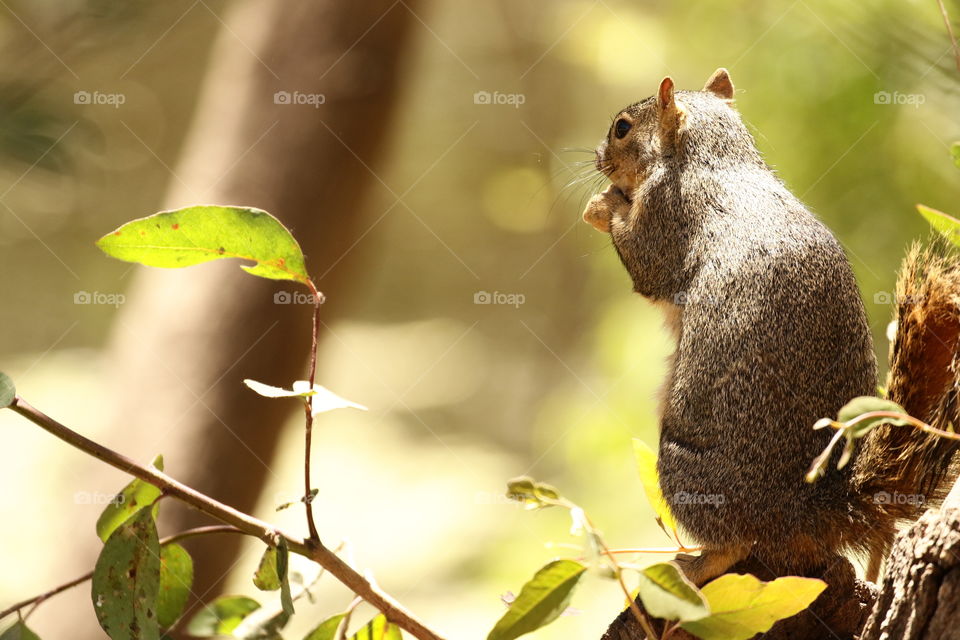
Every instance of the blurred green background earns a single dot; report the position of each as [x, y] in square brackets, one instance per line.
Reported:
[462, 395]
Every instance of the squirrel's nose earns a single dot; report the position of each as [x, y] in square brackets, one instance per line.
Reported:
[598, 159]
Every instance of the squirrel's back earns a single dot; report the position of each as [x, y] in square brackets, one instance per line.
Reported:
[771, 336]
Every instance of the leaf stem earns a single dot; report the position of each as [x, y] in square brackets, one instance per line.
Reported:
[312, 549]
[914, 422]
[36, 601]
[953, 38]
[308, 410]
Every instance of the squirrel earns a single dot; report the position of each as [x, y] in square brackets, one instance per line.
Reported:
[771, 335]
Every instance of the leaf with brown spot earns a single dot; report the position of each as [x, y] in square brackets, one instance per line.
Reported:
[126, 580]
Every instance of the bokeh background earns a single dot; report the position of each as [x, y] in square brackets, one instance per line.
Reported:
[414, 197]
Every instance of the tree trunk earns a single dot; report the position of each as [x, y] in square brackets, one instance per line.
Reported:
[920, 592]
[188, 338]
[918, 599]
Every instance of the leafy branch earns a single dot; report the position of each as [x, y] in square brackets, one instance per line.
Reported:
[133, 560]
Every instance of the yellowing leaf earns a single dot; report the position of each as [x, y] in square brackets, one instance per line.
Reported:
[647, 466]
[193, 235]
[378, 629]
[743, 606]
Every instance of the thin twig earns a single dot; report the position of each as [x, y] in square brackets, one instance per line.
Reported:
[37, 600]
[313, 549]
[308, 409]
[953, 38]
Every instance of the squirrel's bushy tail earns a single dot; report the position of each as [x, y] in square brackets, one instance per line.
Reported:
[901, 470]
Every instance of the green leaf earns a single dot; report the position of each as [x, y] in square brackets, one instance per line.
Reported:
[743, 606]
[869, 404]
[176, 578]
[19, 631]
[126, 580]
[266, 578]
[221, 616]
[955, 153]
[533, 494]
[945, 224]
[378, 629]
[8, 391]
[541, 601]
[129, 501]
[647, 466]
[326, 630]
[283, 561]
[666, 593]
[185, 237]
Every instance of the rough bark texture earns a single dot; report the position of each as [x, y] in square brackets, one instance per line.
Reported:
[920, 593]
[187, 338]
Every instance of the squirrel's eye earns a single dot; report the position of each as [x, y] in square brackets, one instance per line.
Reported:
[621, 128]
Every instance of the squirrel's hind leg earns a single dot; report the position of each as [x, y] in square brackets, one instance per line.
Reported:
[710, 564]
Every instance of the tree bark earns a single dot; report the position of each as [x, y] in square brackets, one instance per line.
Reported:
[920, 592]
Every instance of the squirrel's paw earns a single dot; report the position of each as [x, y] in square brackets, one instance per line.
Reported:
[604, 207]
[711, 563]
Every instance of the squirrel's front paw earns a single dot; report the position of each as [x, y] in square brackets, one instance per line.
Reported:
[604, 207]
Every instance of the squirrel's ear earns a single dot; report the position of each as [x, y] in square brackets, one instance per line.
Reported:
[720, 84]
[665, 94]
[672, 112]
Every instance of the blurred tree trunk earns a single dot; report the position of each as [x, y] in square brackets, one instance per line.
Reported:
[187, 338]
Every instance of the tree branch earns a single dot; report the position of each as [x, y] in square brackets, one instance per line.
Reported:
[313, 549]
[46, 595]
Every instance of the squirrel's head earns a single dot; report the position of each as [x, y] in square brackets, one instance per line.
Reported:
[671, 125]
